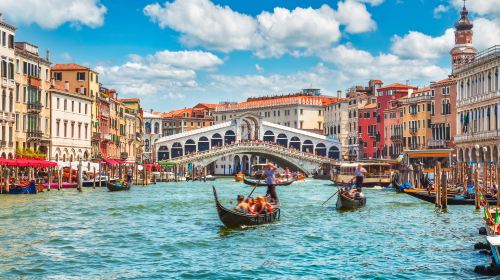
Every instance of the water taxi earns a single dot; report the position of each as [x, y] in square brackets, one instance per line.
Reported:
[378, 173]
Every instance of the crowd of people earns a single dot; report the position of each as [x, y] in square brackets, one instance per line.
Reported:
[252, 206]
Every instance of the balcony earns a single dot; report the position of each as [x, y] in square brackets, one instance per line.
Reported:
[396, 139]
[34, 107]
[438, 143]
[35, 81]
[8, 83]
[478, 136]
[413, 130]
[33, 135]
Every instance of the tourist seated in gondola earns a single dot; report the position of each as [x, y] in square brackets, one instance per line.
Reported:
[251, 205]
[241, 205]
[493, 190]
[262, 206]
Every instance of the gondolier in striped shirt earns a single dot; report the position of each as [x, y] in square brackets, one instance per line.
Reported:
[359, 176]
[271, 182]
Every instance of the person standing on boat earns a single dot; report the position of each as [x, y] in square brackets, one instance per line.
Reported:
[359, 174]
[270, 175]
[129, 176]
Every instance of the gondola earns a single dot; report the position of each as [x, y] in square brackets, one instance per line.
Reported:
[112, 187]
[452, 200]
[231, 218]
[346, 203]
[262, 183]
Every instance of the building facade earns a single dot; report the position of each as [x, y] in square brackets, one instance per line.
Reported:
[444, 110]
[152, 132]
[337, 122]
[71, 125]
[417, 112]
[32, 99]
[393, 126]
[367, 132]
[187, 119]
[7, 89]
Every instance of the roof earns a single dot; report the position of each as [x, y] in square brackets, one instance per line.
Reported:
[369, 106]
[420, 90]
[206, 105]
[7, 25]
[397, 85]
[130, 100]
[377, 82]
[277, 101]
[69, 67]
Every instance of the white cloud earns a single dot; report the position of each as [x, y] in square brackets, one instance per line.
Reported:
[203, 23]
[355, 16]
[480, 7]
[301, 31]
[53, 13]
[187, 59]
[158, 74]
[307, 29]
[361, 65]
[439, 10]
[486, 33]
[418, 45]
[372, 2]
[258, 68]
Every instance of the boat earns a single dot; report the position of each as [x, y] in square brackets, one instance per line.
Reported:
[112, 187]
[231, 218]
[494, 242]
[452, 199]
[378, 173]
[262, 183]
[346, 203]
[26, 188]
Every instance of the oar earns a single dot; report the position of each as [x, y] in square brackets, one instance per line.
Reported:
[252, 191]
[330, 197]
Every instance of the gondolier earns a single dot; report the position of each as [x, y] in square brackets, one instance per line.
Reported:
[359, 175]
[271, 182]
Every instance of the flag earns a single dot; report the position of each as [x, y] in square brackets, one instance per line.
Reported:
[485, 214]
[496, 217]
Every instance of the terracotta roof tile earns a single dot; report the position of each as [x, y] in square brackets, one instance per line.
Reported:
[68, 67]
[134, 100]
[398, 85]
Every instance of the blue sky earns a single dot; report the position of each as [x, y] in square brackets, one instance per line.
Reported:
[175, 54]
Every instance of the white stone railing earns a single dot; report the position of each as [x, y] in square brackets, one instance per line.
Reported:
[478, 98]
[196, 131]
[248, 146]
[477, 136]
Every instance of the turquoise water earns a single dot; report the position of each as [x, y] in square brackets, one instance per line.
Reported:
[172, 231]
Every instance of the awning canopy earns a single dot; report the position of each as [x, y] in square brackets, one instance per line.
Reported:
[114, 161]
[166, 163]
[22, 162]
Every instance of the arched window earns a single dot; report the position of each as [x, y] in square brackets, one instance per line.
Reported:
[203, 144]
[177, 150]
[334, 153]
[268, 136]
[320, 150]
[216, 140]
[190, 146]
[229, 137]
[157, 128]
[308, 147]
[282, 140]
[163, 153]
[148, 127]
[295, 143]
[146, 145]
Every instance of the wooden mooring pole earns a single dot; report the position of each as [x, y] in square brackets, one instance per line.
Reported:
[476, 188]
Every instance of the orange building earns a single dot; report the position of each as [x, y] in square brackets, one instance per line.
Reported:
[178, 121]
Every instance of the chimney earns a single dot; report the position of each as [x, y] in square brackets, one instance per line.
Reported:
[47, 56]
[151, 111]
[66, 85]
[339, 93]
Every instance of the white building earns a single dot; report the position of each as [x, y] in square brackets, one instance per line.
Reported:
[152, 129]
[478, 108]
[7, 87]
[337, 122]
[71, 125]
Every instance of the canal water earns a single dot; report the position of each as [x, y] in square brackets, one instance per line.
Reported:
[171, 231]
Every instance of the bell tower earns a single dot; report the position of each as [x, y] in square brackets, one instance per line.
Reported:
[463, 52]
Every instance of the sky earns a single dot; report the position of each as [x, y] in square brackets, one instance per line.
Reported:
[177, 53]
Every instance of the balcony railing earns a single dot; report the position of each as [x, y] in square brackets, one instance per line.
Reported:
[8, 83]
[438, 143]
[413, 130]
[34, 134]
[478, 136]
[34, 107]
[396, 138]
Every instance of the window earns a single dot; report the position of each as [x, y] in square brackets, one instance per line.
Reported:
[57, 128]
[24, 122]
[79, 131]
[57, 76]
[57, 103]
[24, 95]
[65, 129]
[11, 41]
[85, 109]
[17, 122]
[80, 76]
[46, 100]
[65, 104]
[72, 106]
[4, 39]
[79, 107]
[301, 113]
[72, 130]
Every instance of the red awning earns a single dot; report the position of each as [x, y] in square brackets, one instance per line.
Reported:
[21, 162]
[113, 161]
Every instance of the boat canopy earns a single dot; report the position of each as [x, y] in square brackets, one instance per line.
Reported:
[364, 164]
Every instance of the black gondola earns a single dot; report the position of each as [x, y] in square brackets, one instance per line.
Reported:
[346, 203]
[231, 218]
[452, 200]
[262, 183]
[115, 188]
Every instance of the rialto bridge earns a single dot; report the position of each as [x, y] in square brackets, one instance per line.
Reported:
[246, 140]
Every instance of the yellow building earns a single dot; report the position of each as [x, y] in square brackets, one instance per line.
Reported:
[133, 121]
[417, 111]
[85, 81]
[32, 99]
